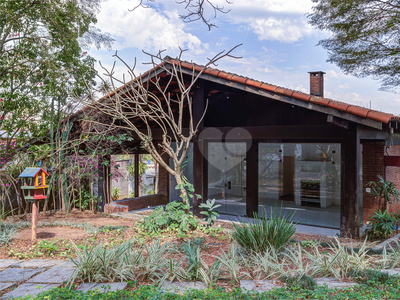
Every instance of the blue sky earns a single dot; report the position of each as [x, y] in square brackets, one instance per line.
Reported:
[279, 46]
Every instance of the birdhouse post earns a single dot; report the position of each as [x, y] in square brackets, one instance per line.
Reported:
[34, 188]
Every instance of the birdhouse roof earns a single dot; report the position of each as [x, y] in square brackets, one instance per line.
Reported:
[31, 172]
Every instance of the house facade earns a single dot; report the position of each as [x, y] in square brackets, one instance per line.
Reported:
[262, 147]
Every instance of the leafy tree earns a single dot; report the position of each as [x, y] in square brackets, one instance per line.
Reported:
[42, 58]
[365, 39]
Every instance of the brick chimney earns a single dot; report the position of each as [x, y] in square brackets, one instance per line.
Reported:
[317, 83]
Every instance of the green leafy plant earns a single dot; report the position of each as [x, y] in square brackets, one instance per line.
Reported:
[173, 218]
[210, 212]
[371, 276]
[231, 263]
[299, 282]
[340, 261]
[115, 193]
[48, 248]
[84, 200]
[390, 256]
[261, 233]
[109, 228]
[193, 260]
[381, 224]
[7, 232]
[384, 189]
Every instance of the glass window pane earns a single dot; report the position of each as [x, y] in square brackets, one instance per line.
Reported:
[303, 179]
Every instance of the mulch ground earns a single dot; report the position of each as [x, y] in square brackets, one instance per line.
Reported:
[56, 242]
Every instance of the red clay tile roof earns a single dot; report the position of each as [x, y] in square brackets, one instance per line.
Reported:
[338, 105]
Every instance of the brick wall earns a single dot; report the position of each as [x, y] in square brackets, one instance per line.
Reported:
[373, 165]
[126, 205]
[393, 174]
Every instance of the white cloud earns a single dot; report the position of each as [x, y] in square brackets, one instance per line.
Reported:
[283, 21]
[283, 30]
[146, 28]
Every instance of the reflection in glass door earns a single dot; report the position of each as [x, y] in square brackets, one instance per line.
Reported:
[227, 176]
[303, 179]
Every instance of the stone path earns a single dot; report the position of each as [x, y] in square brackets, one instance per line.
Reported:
[180, 287]
[32, 277]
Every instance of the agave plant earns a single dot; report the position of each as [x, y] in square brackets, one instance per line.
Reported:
[231, 263]
[294, 256]
[267, 264]
[262, 234]
[390, 257]
[154, 264]
[342, 261]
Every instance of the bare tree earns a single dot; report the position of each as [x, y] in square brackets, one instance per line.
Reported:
[159, 101]
[196, 10]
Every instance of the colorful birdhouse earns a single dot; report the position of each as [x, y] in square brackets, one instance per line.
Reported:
[34, 188]
[34, 184]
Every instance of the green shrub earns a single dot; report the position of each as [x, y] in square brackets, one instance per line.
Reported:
[381, 224]
[174, 217]
[261, 233]
[7, 232]
[299, 282]
[371, 276]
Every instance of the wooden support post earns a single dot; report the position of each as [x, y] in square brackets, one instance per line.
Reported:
[199, 151]
[349, 204]
[100, 185]
[137, 175]
[107, 180]
[35, 210]
[252, 179]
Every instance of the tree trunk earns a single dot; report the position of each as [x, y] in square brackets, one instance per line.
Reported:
[183, 193]
[157, 165]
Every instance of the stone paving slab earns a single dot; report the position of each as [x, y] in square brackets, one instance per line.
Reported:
[6, 263]
[53, 275]
[5, 285]
[179, 287]
[38, 263]
[16, 274]
[387, 242]
[31, 289]
[332, 282]
[103, 287]
[395, 271]
[66, 264]
[257, 285]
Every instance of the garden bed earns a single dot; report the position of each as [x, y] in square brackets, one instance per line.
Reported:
[60, 237]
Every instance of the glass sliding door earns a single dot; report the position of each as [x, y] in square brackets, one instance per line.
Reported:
[303, 179]
[227, 176]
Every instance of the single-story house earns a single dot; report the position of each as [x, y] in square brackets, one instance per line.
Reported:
[261, 146]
